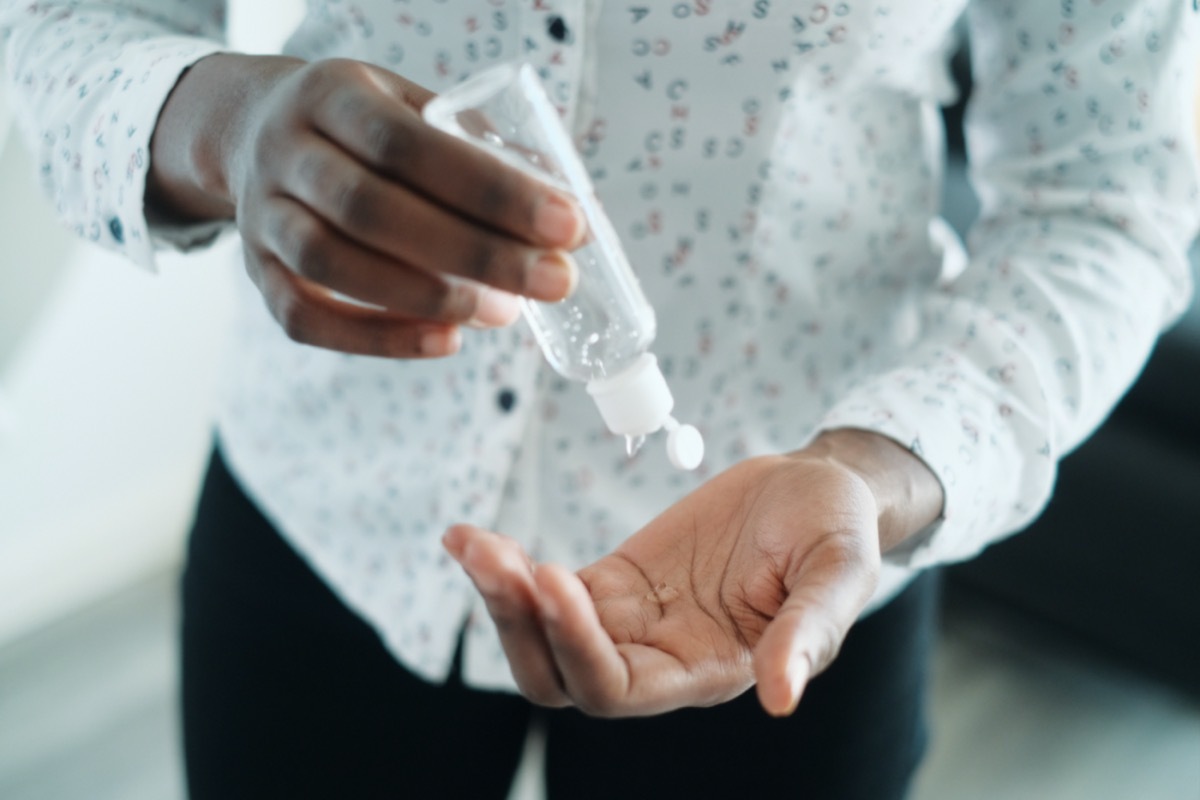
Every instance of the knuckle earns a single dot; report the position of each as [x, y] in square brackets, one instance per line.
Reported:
[289, 311]
[449, 302]
[384, 338]
[485, 262]
[351, 199]
[849, 554]
[315, 79]
[387, 141]
[351, 103]
[314, 168]
[268, 144]
[507, 621]
[312, 256]
[497, 194]
[321, 76]
[349, 69]
[301, 243]
[265, 223]
[292, 228]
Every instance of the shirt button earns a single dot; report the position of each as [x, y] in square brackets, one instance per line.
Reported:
[117, 230]
[506, 399]
[557, 28]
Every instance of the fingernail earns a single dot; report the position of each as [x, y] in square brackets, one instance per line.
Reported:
[558, 220]
[441, 342]
[495, 309]
[797, 676]
[452, 540]
[552, 277]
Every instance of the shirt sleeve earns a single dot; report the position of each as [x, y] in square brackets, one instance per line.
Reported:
[87, 81]
[1082, 150]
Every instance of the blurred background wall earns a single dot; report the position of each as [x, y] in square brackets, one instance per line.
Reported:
[107, 379]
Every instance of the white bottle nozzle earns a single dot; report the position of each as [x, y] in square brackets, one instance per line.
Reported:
[638, 402]
[685, 445]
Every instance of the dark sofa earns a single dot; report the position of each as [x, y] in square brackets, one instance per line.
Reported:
[1114, 562]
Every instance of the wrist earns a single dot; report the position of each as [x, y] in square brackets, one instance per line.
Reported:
[907, 494]
[202, 133]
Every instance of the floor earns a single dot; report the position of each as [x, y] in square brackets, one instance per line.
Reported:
[87, 712]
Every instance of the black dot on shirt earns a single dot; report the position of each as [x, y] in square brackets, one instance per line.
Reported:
[557, 28]
[506, 399]
[117, 229]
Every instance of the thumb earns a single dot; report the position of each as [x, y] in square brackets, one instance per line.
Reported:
[826, 593]
[411, 94]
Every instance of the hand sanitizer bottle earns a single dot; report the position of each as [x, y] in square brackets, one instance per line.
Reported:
[600, 335]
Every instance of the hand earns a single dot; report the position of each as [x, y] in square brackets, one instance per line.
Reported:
[338, 185]
[756, 577]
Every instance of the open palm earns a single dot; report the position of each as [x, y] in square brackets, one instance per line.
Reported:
[755, 577]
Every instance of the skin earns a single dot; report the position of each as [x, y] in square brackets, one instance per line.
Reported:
[340, 190]
[337, 185]
[753, 579]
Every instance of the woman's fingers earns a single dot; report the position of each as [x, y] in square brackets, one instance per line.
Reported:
[340, 181]
[610, 680]
[826, 593]
[316, 250]
[309, 314]
[362, 115]
[558, 651]
[594, 675]
[396, 221]
[503, 575]
[562, 654]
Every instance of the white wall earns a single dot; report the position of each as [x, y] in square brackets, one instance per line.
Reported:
[107, 383]
[35, 245]
[108, 378]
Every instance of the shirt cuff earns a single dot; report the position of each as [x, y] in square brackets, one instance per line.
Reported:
[995, 472]
[150, 70]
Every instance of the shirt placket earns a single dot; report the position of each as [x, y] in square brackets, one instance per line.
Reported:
[554, 39]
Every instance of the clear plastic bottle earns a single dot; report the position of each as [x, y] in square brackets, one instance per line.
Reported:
[600, 335]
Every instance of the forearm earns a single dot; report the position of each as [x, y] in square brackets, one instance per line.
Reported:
[908, 495]
[199, 134]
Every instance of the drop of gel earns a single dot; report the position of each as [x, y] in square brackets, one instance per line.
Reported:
[633, 444]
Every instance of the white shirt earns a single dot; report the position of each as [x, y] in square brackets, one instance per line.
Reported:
[773, 167]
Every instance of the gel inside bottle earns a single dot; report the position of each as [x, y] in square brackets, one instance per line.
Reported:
[600, 335]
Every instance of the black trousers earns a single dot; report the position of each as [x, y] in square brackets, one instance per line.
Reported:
[288, 694]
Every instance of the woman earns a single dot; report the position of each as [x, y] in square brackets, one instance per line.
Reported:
[874, 402]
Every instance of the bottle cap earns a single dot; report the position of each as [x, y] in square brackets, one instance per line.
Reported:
[636, 402]
[685, 447]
